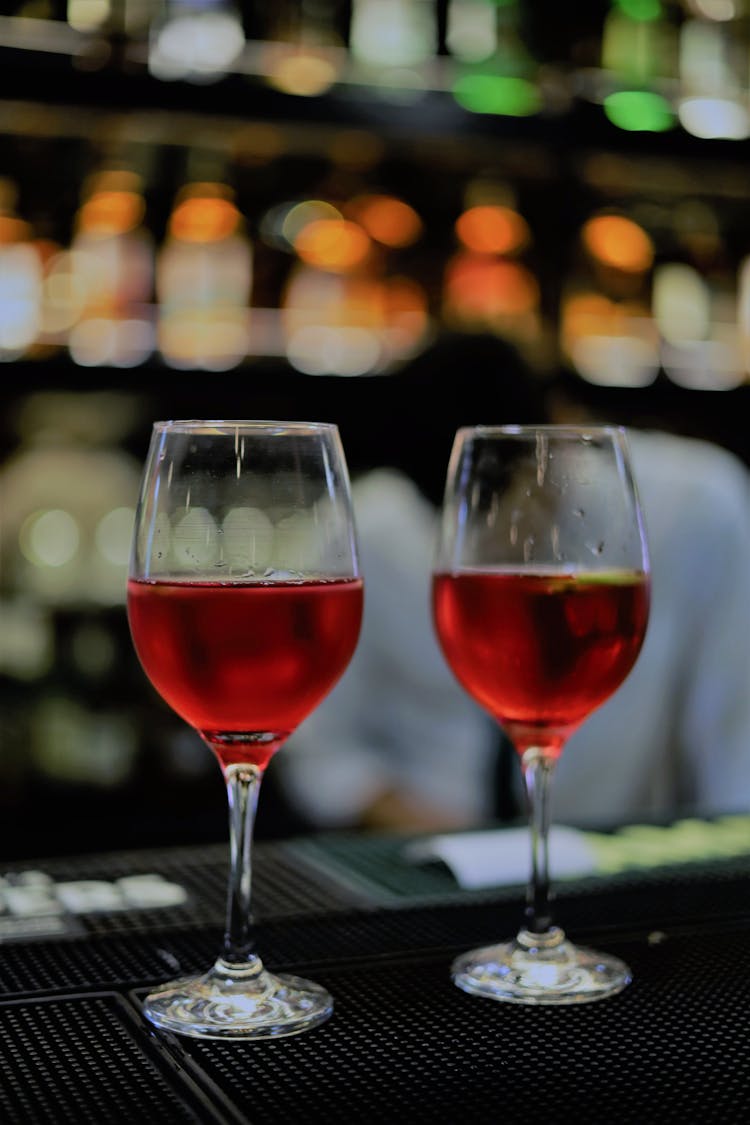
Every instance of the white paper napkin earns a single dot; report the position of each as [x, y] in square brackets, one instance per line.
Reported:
[501, 856]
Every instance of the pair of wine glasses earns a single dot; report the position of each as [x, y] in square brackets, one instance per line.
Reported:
[245, 601]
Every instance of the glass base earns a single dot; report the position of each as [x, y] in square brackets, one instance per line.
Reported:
[238, 1002]
[540, 969]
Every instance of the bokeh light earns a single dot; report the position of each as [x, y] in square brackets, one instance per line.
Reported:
[390, 33]
[681, 303]
[501, 94]
[618, 242]
[333, 244]
[88, 15]
[713, 118]
[112, 204]
[471, 31]
[303, 70]
[610, 343]
[197, 44]
[21, 288]
[386, 219]
[281, 224]
[205, 214]
[247, 539]
[639, 111]
[50, 538]
[489, 229]
[645, 10]
[195, 540]
[102, 341]
[319, 349]
[483, 288]
[214, 338]
[296, 217]
[113, 536]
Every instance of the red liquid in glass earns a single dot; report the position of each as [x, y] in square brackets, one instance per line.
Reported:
[244, 659]
[540, 651]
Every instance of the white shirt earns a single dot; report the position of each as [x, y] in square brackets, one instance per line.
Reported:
[673, 740]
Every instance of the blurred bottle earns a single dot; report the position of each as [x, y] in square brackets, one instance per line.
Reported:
[393, 44]
[697, 303]
[349, 305]
[606, 328]
[332, 301]
[197, 41]
[110, 271]
[714, 72]
[639, 59]
[21, 279]
[502, 79]
[471, 30]
[204, 280]
[303, 52]
[487, 286]
[68, 694]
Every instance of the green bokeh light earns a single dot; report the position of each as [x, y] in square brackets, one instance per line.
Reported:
[639, 111]
[505, 95]
[645, 11]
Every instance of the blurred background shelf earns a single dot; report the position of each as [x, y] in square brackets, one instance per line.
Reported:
[248, 209]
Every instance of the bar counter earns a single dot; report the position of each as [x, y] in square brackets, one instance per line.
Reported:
[83, 939]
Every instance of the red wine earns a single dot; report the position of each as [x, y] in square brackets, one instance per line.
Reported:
[244, 663]
[540, 651]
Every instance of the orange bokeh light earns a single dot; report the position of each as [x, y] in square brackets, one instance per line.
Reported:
[387, 219]
[302, 69]
[13, 230]
[203, 218]
[111, 212]
[593, 314]
[333, 244]
[618, 242]
[491, 229]
[485, 287]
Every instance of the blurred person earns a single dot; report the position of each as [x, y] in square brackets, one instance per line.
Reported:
[399, 745]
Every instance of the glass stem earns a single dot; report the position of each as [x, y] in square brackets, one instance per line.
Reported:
[243, 787]
[538, 767]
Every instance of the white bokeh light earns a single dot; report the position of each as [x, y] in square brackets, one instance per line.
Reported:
[50, 538]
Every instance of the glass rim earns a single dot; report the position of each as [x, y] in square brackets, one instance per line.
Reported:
[550, 428]
[230, 425]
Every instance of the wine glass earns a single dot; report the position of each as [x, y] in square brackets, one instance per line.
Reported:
[244, 603]
[540, 601]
